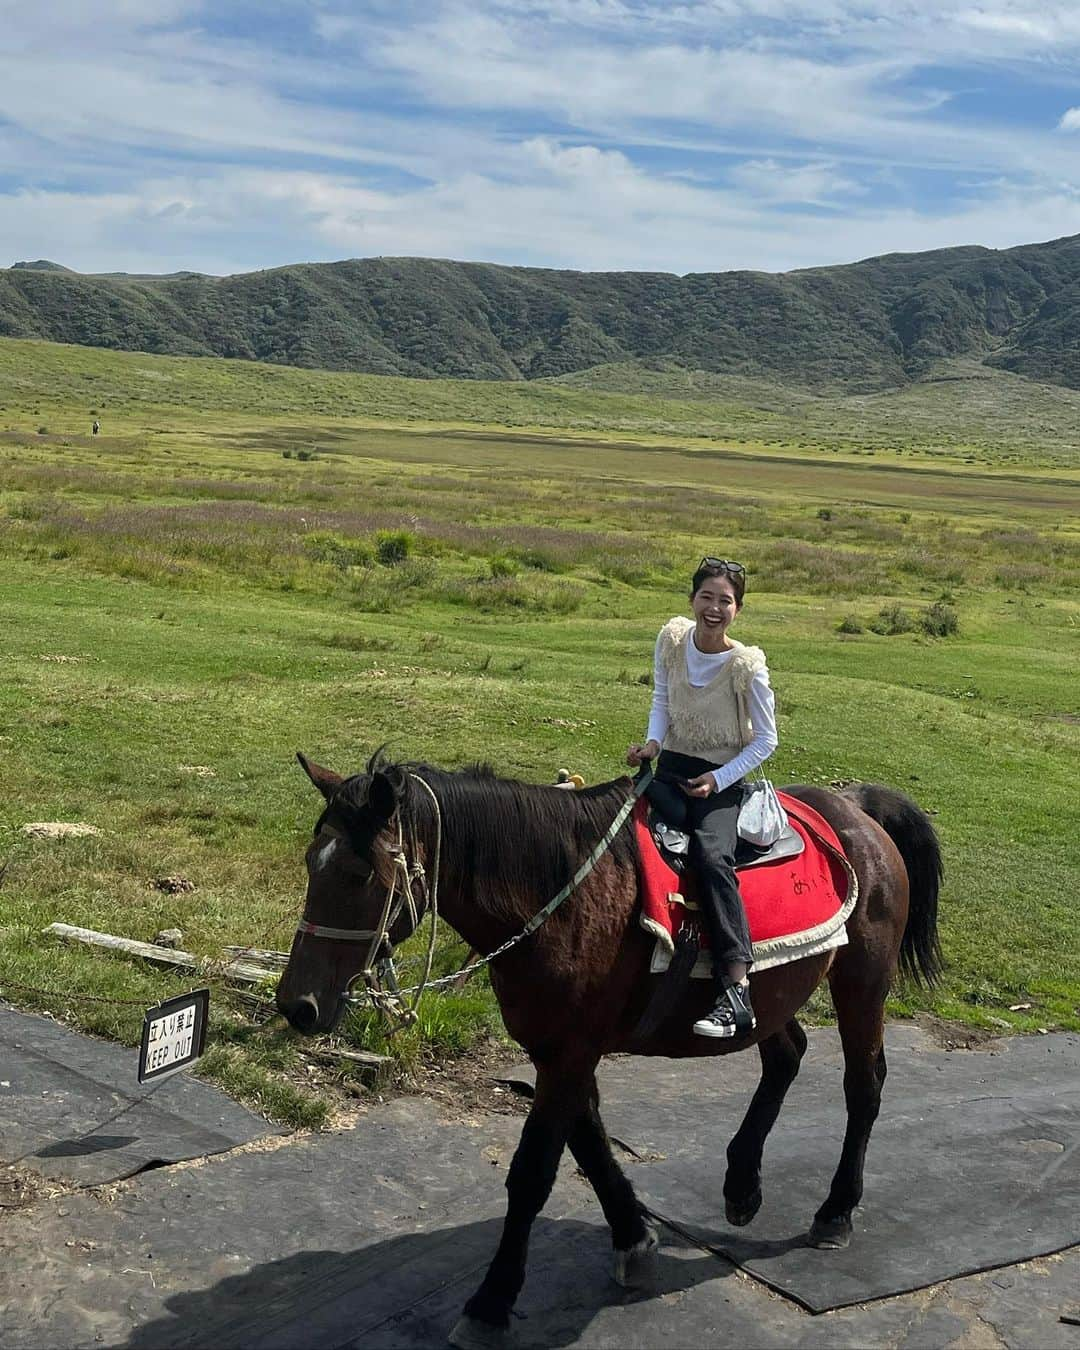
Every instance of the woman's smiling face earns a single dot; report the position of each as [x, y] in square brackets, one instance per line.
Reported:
[714, 605]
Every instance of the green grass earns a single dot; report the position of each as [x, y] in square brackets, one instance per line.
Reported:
[962, 413]
[183, 608]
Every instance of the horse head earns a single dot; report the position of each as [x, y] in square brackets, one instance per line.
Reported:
[360, 900]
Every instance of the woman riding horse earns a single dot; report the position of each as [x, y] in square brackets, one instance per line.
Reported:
[713, 715]
[573, 981]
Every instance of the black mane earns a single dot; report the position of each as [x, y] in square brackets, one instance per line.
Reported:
[506, 840]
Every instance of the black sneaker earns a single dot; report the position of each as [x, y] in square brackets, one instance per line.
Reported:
[732, 1016]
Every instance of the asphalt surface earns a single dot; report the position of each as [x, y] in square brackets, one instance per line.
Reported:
[375, 1236]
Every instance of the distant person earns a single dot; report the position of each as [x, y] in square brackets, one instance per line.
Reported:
[96, 427]
[712, 720]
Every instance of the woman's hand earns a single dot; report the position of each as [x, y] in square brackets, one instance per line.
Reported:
[702, 786]
[637, 753]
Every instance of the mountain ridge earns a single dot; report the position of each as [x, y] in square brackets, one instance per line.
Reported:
[878, 323]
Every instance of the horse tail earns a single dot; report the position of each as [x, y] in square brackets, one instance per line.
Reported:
[909, 827]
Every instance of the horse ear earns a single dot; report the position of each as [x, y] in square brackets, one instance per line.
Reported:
[382, 796]
[326, 780]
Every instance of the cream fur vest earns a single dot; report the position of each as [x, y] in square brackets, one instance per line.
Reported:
[711, 722]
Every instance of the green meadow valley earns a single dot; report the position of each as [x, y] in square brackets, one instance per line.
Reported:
[250, 560]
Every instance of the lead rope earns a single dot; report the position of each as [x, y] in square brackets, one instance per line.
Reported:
[432, 893]
[641, 783]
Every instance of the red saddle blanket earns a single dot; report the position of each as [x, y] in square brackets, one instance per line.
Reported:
[795, 906]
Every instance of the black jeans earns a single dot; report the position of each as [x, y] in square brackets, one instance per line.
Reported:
[711, 824]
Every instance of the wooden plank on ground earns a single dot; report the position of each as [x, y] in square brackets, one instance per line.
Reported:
[260, 956]
[244, 972]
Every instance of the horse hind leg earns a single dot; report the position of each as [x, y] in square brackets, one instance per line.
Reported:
[860, 1014]
[781, 1055]
[632, 1235]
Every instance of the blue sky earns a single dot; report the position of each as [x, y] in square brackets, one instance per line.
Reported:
[659, 135]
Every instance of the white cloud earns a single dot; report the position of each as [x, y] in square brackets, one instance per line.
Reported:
[568, 208]
[593, 133]
[855, 81]
[769, 180]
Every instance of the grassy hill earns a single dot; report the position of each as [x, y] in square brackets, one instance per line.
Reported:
[868, 326]
[962, 411]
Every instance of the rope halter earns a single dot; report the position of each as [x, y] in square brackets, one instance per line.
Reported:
[381, 986]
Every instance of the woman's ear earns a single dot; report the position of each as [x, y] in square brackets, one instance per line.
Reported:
[382, 797]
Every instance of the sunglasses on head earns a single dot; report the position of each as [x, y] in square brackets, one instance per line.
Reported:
[724, 565]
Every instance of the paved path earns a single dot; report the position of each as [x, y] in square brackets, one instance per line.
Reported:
[375, 1236]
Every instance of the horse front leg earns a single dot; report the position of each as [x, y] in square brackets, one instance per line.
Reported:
[780, 1058]
[861, 1022]
[632, 1235]
[558, 1103]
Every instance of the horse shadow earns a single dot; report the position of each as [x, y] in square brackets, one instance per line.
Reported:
[407, 1291]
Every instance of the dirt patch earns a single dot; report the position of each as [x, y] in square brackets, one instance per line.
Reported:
[467, 1087]
[20, 1188]
[956, 1035]
[59, 829]
[464, 1087]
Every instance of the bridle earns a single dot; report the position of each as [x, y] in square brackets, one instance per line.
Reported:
[390, 999]
[378, 973]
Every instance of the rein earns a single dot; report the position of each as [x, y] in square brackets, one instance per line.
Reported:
[390, 1001]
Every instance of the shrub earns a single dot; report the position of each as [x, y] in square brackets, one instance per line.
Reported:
[381, 589]
[892, 619]
[503, 566]
[359, 642]
[824, 513]
[792, 565]
[538, 559]
[1020, 576]
[306, 454]
[850, 624]
[393, 546]
[534, 593]
[939, 620]
[325, 547]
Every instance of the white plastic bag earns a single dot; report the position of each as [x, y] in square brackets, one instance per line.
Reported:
[762, 820]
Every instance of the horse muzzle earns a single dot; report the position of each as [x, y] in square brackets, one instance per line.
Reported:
[305, 1015]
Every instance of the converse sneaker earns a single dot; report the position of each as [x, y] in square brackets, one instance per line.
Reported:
[732, 1016]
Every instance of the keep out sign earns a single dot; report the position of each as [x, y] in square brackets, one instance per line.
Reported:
[174, 1034]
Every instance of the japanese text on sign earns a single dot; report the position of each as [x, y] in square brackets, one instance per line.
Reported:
[174, 1034]
[170, 1039]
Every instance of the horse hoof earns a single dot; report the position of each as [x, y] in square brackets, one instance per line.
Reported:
[470, 1333]
[830, 1235]
[739, 1215]
[636, 1266]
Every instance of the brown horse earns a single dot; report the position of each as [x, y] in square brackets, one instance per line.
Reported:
[575, 988]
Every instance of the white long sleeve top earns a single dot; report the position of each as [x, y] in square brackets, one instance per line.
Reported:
[701, 667]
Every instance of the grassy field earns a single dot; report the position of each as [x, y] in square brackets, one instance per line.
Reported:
[250, 560]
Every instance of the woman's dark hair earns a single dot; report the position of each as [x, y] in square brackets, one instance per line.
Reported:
[734, 572]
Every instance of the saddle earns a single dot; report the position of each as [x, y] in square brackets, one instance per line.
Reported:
[674, 846]
[798, 896]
